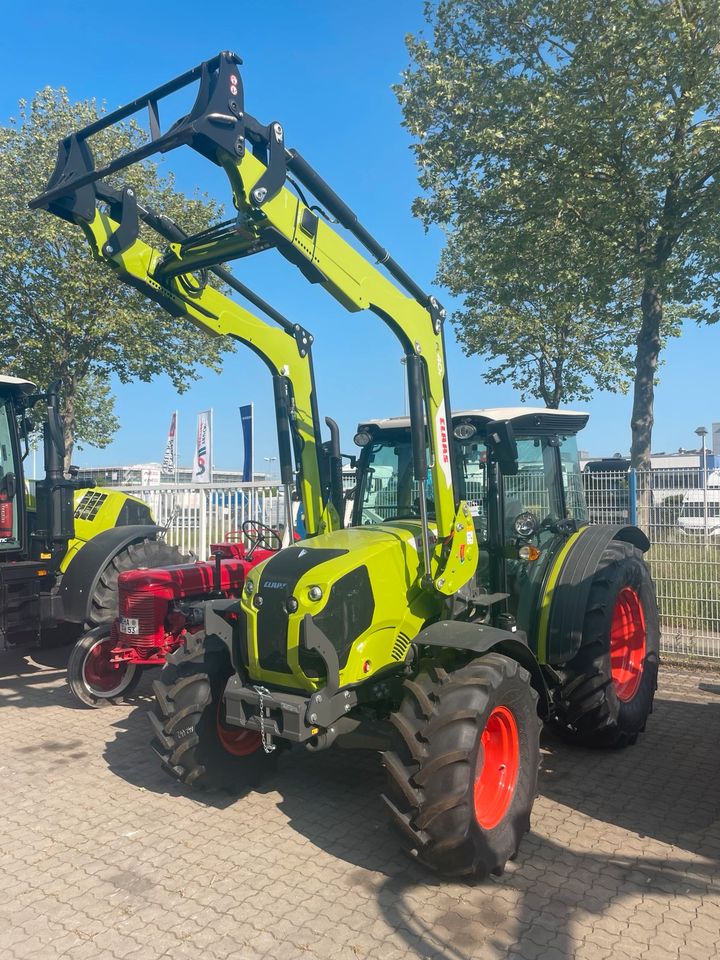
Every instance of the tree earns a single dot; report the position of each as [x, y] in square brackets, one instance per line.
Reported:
[529, 313]
[595, 121]
[65, 317]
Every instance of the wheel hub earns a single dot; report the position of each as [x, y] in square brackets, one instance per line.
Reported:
[627, 644]
[102, 677]
[236, 740]
[495, 781]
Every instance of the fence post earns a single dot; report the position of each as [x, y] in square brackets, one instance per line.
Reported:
[632, 490]
[202, 547]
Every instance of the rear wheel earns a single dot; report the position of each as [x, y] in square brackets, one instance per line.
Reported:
[195, 744]
[463, 777]
[93, 679]
[147, 553]
[608, 687]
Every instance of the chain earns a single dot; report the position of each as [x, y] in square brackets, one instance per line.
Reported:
[267, 744]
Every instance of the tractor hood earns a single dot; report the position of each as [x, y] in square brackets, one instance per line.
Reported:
[359, 585]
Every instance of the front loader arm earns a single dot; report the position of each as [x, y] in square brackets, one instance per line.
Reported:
[270, 214]
[285, 351]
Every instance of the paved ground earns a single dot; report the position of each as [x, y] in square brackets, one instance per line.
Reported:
[101, 856]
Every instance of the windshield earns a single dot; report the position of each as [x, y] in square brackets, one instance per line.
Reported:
[387, 489]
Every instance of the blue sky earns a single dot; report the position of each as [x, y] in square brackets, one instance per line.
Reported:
[324, 70]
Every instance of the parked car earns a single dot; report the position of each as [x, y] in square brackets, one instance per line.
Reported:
[700, 511]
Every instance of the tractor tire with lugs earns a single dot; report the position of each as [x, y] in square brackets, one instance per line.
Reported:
[608, 687]
[463, 777]
[193, 741]
[146, 553]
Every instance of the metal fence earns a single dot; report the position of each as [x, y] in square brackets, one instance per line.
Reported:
[197, 516]
[679, 509]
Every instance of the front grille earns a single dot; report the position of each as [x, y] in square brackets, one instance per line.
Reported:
[149, 611]
[278, 581]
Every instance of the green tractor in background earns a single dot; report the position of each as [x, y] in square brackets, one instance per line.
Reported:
[582, 594]
[62, 551]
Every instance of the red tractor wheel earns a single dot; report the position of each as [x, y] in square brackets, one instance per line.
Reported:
[608, 687]
[193, 740]
[93, 678]
[463, 777]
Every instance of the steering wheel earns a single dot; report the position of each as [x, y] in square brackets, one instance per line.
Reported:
[259, 534]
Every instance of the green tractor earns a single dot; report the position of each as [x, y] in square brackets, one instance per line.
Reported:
[581, 594]
[61, 551]
[469, 601]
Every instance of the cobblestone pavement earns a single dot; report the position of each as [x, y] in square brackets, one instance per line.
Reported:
[102, 856]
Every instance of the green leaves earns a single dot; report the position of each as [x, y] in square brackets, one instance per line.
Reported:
[570, 150]
[63, 316]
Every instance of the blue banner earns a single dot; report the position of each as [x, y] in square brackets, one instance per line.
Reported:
[246, 415]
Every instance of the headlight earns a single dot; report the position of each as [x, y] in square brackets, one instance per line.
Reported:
[525, 524]
[464, 431]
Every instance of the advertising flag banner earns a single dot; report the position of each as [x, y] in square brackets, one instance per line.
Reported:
[169, 464]
[246, 416]
[202, 461]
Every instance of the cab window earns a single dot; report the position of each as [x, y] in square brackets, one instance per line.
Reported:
[535, 488]
[575, 506]
[9, 538]
[471, 468]
[387, 488]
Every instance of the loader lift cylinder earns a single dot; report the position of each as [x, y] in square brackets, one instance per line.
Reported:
[282, 413]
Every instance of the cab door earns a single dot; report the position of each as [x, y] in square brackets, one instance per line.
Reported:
[536, 489]
[11, 504]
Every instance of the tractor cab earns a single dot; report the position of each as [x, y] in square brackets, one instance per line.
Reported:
[12, 500]
[20, 577]
[518, 471]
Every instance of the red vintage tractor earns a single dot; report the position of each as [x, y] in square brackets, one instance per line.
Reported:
[156, 616]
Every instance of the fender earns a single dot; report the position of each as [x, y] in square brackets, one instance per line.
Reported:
[567, 589]
[482, 638]
[83, 572]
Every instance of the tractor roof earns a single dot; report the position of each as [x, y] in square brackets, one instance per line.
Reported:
[532, 420]
[16, 384]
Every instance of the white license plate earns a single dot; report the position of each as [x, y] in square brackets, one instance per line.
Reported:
[130, 626]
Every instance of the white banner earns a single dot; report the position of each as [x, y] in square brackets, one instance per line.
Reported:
[202, 461]
[169, 464]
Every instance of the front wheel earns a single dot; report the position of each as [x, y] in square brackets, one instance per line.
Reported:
[195, 744]
[92, 677]
[609, 685]
[463, 777]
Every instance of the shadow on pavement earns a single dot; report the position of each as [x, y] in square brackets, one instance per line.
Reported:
[666, 789]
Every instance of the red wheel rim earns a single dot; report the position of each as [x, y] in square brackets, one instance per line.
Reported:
[627, 644]
[495, 781]
[236, 740]
[100, 675]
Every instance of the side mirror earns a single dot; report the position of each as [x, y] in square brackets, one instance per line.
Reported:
[502, 446]
[8, 484]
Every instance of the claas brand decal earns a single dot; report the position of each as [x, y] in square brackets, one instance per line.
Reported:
[442, 442]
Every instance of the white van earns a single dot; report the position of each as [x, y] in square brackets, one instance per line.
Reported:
[699, 504]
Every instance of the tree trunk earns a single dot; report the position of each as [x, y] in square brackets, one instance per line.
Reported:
[646, 362]
[68, 417]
